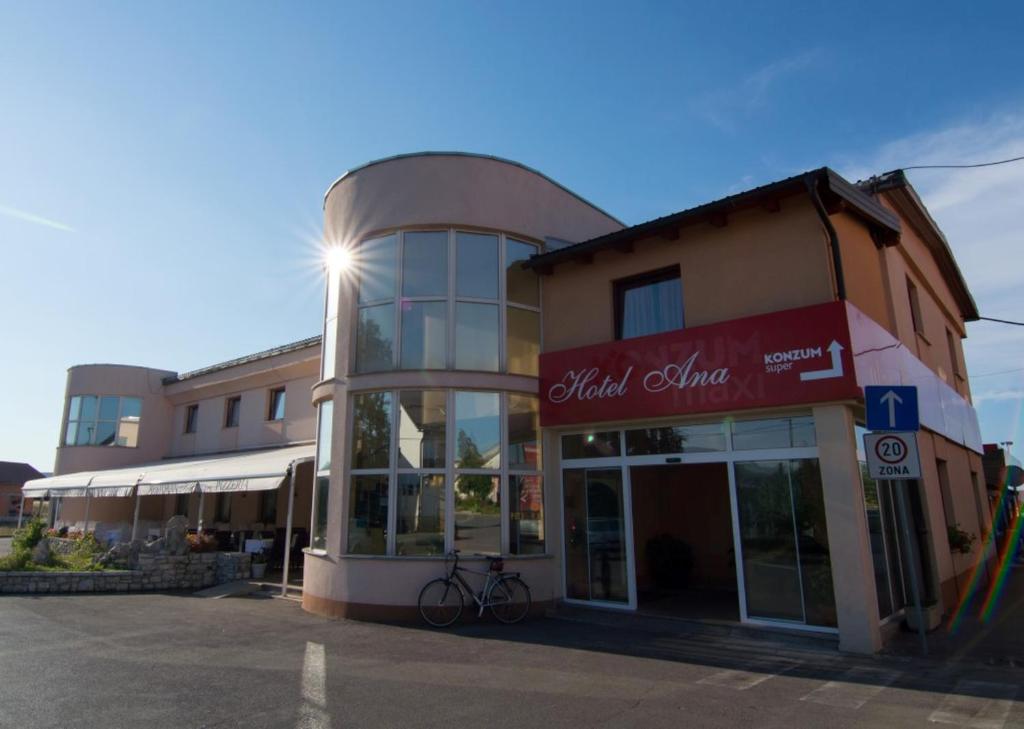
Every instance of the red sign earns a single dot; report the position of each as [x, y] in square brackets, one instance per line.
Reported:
[790, 357]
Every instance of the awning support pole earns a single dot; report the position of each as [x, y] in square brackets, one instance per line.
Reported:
[21, 510]
[199, 518]
[135, 519]
[288, 530]
[87, 500]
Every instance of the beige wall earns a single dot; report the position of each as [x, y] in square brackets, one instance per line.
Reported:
[154, 423]
[864, 270]
[457, 190]
[758, 263]
[912, 260]
[297, 372]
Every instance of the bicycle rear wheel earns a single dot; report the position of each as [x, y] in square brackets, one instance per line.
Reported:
[440, 602]
[510, 600]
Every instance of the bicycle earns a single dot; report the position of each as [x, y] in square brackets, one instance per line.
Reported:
[442, 600]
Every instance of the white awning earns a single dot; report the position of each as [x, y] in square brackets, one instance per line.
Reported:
[70, 484]
[253, 471]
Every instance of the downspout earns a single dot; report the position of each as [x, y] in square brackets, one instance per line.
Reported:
[833, 238]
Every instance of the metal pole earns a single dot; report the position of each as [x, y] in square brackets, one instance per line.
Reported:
[87, 500]
[915, 584]
[21, 510]
[288, 530]
[199, 519]
[135, 519]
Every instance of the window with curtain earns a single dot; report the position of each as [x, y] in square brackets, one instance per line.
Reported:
[650, 303]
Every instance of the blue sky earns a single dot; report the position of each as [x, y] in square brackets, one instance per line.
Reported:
[162, 166]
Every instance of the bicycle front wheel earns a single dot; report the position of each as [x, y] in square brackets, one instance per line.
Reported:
[440, 603]
[510, 600]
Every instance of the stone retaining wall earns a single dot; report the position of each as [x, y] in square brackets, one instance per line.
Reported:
[191, 571]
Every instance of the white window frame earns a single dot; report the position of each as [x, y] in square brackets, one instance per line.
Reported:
[729, 457]
[452, 299]
[96, 421]
[450, 472]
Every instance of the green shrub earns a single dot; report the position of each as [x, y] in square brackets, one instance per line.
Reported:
[16, 561]
[28, 536]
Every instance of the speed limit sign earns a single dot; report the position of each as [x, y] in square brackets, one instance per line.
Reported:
[892, 455]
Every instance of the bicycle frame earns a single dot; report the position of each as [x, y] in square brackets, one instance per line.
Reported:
[482, 599]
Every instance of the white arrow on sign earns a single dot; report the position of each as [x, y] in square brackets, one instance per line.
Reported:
[891, 398]
[836, 370]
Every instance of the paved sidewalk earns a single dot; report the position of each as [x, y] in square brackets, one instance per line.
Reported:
[999, 642]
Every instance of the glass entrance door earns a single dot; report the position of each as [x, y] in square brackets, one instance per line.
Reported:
[595, 535]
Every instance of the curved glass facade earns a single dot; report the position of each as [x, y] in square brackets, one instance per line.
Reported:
[446, 299]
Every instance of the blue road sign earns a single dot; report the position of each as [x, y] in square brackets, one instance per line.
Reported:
[892, 408]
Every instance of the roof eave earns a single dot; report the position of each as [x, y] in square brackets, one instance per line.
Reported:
[829, 182]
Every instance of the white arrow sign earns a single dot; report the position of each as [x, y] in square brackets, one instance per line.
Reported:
[891, 398]
[835, 349]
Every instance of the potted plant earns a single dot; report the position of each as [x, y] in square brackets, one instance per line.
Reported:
[959, 540]
[259, 565]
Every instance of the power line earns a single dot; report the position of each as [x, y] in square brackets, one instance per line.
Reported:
[963, 167]
[1002, 321]
[1001, 372]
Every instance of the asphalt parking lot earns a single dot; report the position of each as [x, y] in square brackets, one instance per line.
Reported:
[170, 661]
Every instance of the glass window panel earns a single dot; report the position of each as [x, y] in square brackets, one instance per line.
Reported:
[330, 347]
[802, 430]
[755, 434]
[368, 515]
[71, 434]
[702, 438]
[191, 418]
[421, 428]
[86, 431]
[476, 337]
[651, 308]
[591, 445]
[222, 508]
[897, 576]
[371, 430]
[106, 432]
[523, 432]
[333, 281]
[478, 432]
[277, 403]
[526, 515]
[421, 505]
[108, 408]
[476, 265]
[74, 408]
[375, 338]
[521, 284]
[812, 536]
[876, 533]
[88, 410]
[424, 335]
[425, 263]
[128, 432]
[131, 407]
[375, 261]
[268, 507]
[231, 408]
[523, 342]
[323, 437]
[574, 510]
[606, 536]
[478, 514]
[323, 488]
[770, 566]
